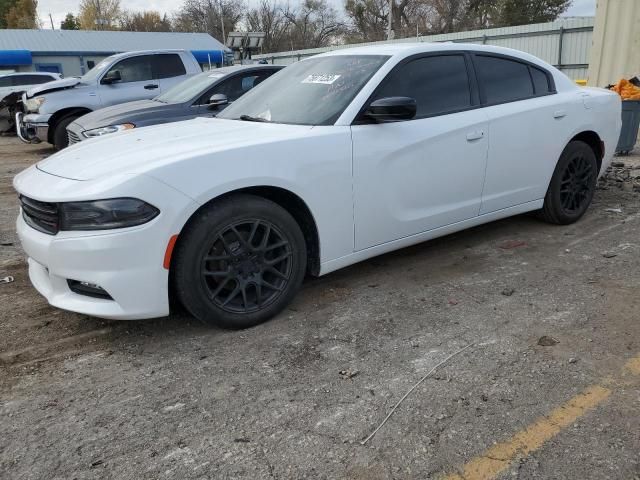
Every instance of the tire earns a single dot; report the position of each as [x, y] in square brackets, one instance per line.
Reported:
[60, 138]
[239, 262]
[572, 186]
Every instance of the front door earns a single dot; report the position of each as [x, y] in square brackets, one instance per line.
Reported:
[414, 176]
[137, 81]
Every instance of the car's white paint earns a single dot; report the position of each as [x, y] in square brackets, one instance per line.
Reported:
[4, 91]
[370, 188]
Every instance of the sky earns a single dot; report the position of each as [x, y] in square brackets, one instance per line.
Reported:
[59, 8]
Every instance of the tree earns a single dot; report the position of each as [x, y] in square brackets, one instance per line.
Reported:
[99, 14]
[5, 6]
[369, 19]
[314, 24]
[24, 14]
[204, 16]
[522, 12]
[268, 17]
[70, 22]
[146, 21]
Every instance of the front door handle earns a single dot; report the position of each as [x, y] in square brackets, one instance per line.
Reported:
[477, 135]
[151, 86]
[559, 114]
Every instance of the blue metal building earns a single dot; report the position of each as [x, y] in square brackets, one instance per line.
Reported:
[74, 52]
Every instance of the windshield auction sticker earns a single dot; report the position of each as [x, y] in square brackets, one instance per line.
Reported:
[321, 78]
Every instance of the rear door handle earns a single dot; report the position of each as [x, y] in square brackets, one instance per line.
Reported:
[151, 86]
[559, 114]
[477, 135]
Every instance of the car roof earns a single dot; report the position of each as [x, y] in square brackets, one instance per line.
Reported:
[412, 48]
[47, 74]
[149, 52]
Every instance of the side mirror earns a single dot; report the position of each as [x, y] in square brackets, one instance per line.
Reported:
[218, 100]
[392, 109]
[112, 77]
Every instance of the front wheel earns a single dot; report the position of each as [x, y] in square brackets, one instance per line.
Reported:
[60, 137]
[239, 262]
[572, 186]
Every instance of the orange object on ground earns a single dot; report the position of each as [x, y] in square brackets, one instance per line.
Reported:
[627, 90]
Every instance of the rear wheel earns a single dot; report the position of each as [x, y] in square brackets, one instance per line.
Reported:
[572, 186]
[60, 137]
[239, 262]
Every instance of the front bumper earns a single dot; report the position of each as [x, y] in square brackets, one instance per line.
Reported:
[123, 264]
[127, 263]
[32, 128]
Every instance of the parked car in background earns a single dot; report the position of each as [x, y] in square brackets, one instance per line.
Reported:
[337, 158]
[22, 81]
[205, 94]
[124, 77]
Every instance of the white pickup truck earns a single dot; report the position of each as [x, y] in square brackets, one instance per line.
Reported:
[124, 77]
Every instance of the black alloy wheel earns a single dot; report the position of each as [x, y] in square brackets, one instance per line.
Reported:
[572, 185]
[239, 261]
[248, 265]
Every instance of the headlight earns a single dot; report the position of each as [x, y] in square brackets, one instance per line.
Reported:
[33, 104]
[105, 214]
[98, 132]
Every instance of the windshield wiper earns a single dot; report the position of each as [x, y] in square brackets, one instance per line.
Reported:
[249, 118]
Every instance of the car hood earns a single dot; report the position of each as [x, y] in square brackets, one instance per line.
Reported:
[141, 150]
[53, 86]
[122, 113]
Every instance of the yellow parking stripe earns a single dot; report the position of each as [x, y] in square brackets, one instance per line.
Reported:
[498, 458]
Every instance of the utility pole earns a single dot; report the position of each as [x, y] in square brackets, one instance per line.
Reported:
[224, 39]
[390, 32]
[51, 18]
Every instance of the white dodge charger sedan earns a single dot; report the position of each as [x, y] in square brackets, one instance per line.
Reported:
[332, 160]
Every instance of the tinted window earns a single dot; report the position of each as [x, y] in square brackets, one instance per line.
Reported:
[134, 69]
[540, 81]
[31, 79]
[168, 65]
[238, 85]
[439, 84]
[503, 80]
[5, 81]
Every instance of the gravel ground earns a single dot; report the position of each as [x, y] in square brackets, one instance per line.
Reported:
[169, 398]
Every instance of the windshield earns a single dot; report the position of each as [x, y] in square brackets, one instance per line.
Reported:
[311, 92]
[91, 75]
[189, 88]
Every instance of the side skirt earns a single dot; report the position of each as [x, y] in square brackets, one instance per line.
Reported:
[361, 255]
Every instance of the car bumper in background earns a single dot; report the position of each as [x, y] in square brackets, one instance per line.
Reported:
[32, 128]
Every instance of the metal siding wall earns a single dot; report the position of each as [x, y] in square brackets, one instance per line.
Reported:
[545, 45]
[616, 42]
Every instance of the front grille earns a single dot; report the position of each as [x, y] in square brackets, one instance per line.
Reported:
[73, 137]
[42, 216]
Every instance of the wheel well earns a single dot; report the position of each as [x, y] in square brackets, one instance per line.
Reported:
[593, 140]
[60, 114]
[298, 209]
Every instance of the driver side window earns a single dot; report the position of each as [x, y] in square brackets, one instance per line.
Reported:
[134, 69]
[439, 84]
[236, 86]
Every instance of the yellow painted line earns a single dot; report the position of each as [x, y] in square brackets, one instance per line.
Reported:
[498, 458]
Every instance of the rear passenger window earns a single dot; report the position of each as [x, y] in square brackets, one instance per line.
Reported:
[439, 84]
[540, 81]
[168, 65]
[32, 79]
[503, 80]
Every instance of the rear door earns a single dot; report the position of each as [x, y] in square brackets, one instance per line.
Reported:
[528, 125]
[137, 81]
[168, 70]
